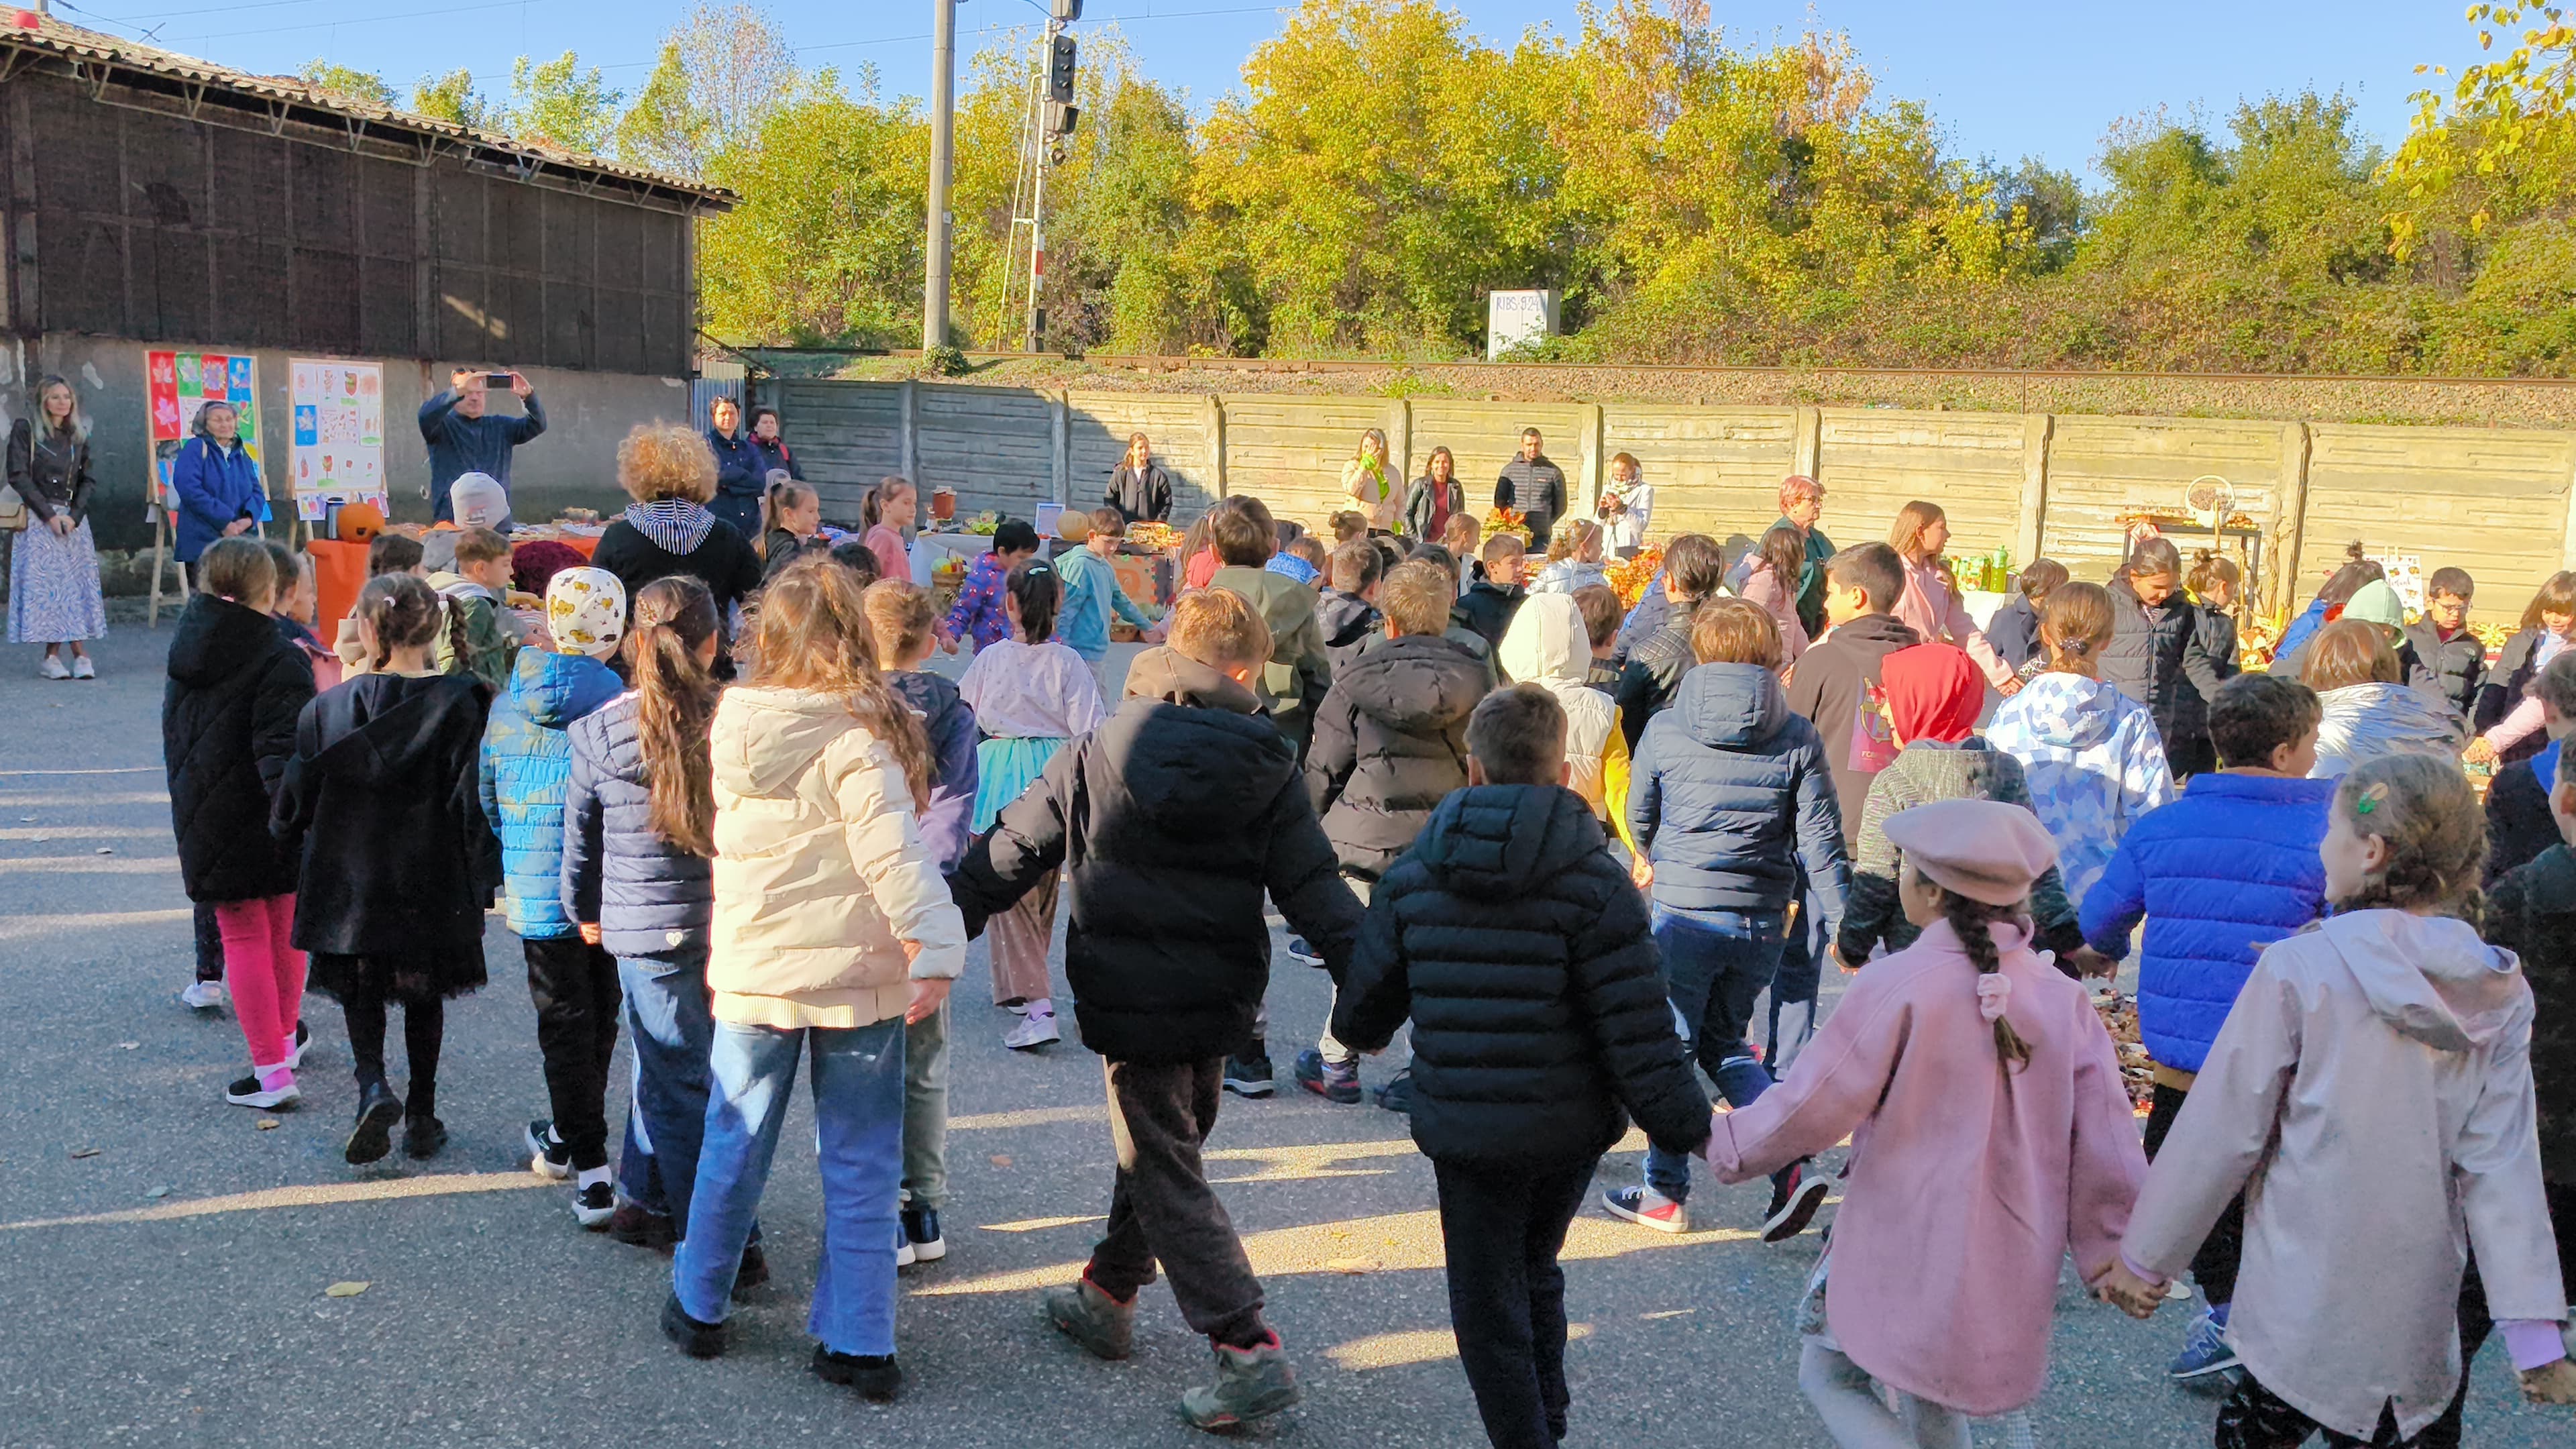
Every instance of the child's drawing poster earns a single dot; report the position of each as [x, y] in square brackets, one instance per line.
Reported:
[177, 385]
[339, 449]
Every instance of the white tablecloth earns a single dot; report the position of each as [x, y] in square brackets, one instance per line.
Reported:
[930, 550]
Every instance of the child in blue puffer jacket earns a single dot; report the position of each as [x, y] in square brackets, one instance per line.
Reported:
[527, 758]
[2219, 874]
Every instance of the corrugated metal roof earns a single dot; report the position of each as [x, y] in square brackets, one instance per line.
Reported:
[49, 36]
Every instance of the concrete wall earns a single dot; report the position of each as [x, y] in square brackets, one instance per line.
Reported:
[2497, 502]
[573, 465]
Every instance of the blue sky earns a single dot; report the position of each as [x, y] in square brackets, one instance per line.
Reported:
[2004, 77]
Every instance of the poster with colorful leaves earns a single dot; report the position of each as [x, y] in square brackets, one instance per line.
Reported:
[339, 439]
[177, 385]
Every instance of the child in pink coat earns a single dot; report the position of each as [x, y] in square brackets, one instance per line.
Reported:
[1990, 1135]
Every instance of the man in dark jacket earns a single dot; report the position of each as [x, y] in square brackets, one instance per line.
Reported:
[1693, 570]
[1533, 485]
[2456, 658]
[1523, 957]
[1486, 609]
[1390, 744]
[1728, 794]
[1347, 609]
[1177, 814]
[463, 439]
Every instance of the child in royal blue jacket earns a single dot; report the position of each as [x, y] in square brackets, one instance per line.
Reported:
[2219, 874]
[527, 758]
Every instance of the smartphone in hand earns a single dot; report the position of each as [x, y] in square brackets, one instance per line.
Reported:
[502, 380]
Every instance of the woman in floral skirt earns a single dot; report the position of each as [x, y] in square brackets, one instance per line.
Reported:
[53, 575]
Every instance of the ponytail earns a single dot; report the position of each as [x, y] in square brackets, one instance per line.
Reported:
[1973, 920]
[675, 706]
[402, 613]
[454, 611]
[782, 494]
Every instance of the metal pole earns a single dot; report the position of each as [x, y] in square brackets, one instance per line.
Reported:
[943, 155]
[1039, 142]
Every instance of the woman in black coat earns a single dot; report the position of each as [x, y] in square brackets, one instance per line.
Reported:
[383, 800]
[227, 730]
[671, 474]
[1139, 488]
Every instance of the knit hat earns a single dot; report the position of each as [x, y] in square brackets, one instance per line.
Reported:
[478, 500]
[1982, 849]
[586, 611]
[1934, 692]
[533, 565]
[2376, 603]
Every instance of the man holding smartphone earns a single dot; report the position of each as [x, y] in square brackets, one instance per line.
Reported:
[463, 439]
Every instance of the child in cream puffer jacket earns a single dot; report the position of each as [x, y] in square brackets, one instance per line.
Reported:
[832, 926]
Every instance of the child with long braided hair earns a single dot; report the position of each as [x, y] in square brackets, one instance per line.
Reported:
[2371, 1096]
[1990, 1135]
[383, 797]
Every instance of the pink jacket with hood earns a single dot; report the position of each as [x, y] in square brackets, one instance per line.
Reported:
[2371, 1095]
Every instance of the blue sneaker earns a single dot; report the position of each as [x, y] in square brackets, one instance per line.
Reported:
[2205, 1351]
[1299, 951]
[1333, 1081]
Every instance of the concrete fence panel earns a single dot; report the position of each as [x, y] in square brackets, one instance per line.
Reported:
[1873, 461]
[1289, 451]
[994, 445]
[1483, 436]
[2101, 468]
[846, 436]
[1715, 470]
[1183, 441]
[2492, 501]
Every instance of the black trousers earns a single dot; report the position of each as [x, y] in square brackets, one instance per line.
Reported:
[574, 988]
[1162, 1207]
[2255, 1418]
[1502, 1229]
[210, 944]
[2476, 1322]
[424, 1029]
[2214, 1266]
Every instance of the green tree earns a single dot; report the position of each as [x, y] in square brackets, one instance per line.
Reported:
[561, 104]
[451, 98]
[724, 70]
[363, 85]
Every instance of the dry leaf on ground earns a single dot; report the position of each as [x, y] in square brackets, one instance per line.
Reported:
[344, 1290]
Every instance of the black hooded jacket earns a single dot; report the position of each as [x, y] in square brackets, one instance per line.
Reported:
[1175, 815]
[383, 800]
[1524, 957]
[227, 730]
[1390, 742]
[1348, 622]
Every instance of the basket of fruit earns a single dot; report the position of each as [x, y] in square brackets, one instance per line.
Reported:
[1511, 521]
[1154, 536]
[984, 523]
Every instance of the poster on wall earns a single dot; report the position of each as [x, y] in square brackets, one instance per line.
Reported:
[339, 447]
[177, 384]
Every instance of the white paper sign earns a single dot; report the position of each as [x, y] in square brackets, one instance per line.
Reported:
[339, 437]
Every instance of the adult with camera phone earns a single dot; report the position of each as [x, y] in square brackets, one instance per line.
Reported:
[463, 437]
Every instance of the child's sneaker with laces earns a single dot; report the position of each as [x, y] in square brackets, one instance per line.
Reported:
[921, 1234]
[1037, 1031]
[1248, 1072]
[1646, 1207]
[272, 1088]
[202, 995]
[547, 1154]
[2205, 1350]
[1795, 1196]
[1251, 1383]
[593, 1204]
[1083, 1312]
[1332, 1081]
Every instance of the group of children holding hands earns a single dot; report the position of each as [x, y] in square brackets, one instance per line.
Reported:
[1573, 869]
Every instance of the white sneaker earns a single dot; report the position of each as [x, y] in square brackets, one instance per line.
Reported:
[54, 668]
[203, 995]
[296, 1042]
[904, 1257]
[83, 669]
[1037, 1031]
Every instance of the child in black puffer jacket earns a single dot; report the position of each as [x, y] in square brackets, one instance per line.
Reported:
[1523, 955]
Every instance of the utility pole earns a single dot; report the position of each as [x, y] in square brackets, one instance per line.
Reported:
[943, 156]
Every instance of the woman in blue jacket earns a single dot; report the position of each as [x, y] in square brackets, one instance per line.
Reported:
[742, 470]
[217, 483]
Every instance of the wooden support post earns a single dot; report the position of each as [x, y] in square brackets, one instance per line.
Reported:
[1589, 465]
[1216, 442]
[907, 449]
[1060, 443]
[2037, 429]
[1399, 441]
[2567, 540]
[1806, 449]
[2290, 525]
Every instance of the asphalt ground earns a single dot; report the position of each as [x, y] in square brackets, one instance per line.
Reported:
[164, 1260]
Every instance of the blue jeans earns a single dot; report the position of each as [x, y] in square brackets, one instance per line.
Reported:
[857, 1077]
[1716, 965]
[1795, 985]
[668, 1020]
